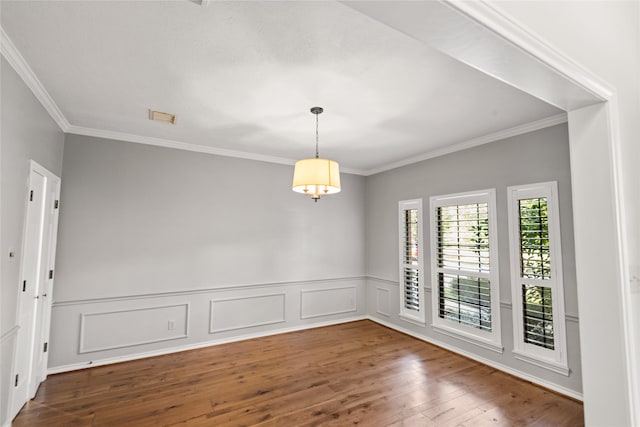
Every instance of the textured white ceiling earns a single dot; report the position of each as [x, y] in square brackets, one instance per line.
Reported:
[242, 76]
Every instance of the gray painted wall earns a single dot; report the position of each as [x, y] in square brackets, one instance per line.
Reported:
[139, 219]
[538, 156]
[28, 133]
[144, 228]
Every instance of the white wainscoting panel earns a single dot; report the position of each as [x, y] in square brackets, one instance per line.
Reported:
[382, 301]
[246, 312]
[130, 327]
[325, 302]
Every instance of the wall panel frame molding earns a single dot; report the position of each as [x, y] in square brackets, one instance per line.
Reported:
[227, 314]
[382, 301]
[132, 327]
[326, 302]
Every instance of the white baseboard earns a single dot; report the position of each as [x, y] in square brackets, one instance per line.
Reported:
[516, 373]
[127, 358]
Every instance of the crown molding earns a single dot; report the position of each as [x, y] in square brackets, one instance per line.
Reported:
[179, 145]
[17, 61]
[168, 143]
[496, 136]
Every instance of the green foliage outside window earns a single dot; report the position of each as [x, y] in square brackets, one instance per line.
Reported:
[535, 263]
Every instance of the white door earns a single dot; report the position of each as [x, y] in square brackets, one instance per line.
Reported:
[34, 301]
[43, 315]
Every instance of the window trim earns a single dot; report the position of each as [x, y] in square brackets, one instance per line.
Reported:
[413, 316]
[551, 359]
[491, 340]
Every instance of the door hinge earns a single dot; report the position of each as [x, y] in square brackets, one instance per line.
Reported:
[50, 274]
[31, 196]
[16, 383]
[56, 204]
[46, 347]
[24, 285]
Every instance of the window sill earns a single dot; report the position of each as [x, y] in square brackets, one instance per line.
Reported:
[546, 364]
[467, 338]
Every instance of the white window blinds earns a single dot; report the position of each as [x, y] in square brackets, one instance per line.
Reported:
[411, 265]
[463, 245]
[463, 263]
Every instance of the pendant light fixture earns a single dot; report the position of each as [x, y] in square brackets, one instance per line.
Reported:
[316, 177]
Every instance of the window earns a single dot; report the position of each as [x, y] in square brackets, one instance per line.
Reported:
[536, 276]
[411, 265]
[464, 267]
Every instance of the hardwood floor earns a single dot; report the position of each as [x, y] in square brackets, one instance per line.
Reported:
[357, 373]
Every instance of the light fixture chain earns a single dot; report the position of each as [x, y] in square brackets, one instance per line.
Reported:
[317, 152]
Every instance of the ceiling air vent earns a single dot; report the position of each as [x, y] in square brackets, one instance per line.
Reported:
[159, 116]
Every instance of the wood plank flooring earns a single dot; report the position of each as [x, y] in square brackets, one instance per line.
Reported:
[357, 373]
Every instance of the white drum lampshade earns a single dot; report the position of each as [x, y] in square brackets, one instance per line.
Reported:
[316, 177]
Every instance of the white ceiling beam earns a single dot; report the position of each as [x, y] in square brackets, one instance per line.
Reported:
[446, 28]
